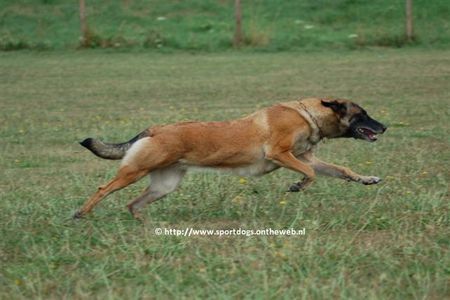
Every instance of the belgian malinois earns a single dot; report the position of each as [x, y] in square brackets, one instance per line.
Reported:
[283, 135]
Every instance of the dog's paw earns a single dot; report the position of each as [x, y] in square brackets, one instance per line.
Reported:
[367, 180]
[136, 214]
[295, 187]
[298, 186]
[77, 215]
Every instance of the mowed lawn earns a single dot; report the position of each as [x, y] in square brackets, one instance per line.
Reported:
[377, 242]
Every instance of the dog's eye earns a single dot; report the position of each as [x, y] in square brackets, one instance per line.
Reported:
[355, 117]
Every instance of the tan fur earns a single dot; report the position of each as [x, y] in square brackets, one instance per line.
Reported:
[283, 135]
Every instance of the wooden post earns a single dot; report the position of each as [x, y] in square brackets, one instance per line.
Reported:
[238, 35]
[83, 24]
[409, 21]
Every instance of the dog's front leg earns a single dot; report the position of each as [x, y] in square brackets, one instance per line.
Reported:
[288, 160]
[328, 169]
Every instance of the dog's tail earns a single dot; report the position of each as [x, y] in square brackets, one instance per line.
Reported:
[111, 151]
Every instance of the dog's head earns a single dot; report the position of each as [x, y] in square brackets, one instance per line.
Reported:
[354, 120]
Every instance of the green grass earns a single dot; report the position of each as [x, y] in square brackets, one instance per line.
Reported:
[388, 241]
[208, 25]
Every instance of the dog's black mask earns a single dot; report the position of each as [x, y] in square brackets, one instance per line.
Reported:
[362, 126]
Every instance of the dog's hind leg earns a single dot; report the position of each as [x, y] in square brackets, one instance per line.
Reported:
[125, 176]
[163, 182]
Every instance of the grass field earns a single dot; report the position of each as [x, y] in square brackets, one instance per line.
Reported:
[374, 242]
[208, 25]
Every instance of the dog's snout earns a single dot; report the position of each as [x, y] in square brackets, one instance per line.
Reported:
[383, 128]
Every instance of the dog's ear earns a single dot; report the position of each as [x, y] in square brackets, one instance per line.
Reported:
[336, 106]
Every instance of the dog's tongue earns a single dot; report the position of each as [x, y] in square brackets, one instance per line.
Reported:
[370, 134]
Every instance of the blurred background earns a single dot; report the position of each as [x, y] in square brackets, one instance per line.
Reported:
[210, 25]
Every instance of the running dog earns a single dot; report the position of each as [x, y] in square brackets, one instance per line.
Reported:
[283, 135]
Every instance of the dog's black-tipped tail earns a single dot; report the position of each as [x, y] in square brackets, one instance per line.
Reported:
[109, 150]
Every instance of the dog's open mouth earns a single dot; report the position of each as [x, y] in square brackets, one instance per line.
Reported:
[367, 133]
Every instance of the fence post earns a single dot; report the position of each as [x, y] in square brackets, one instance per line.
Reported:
[238, 35]
[83, 24]
[409, 21]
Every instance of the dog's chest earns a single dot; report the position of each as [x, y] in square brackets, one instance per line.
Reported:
[302, 146]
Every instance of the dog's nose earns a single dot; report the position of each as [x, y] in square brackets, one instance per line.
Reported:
[383, 128]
